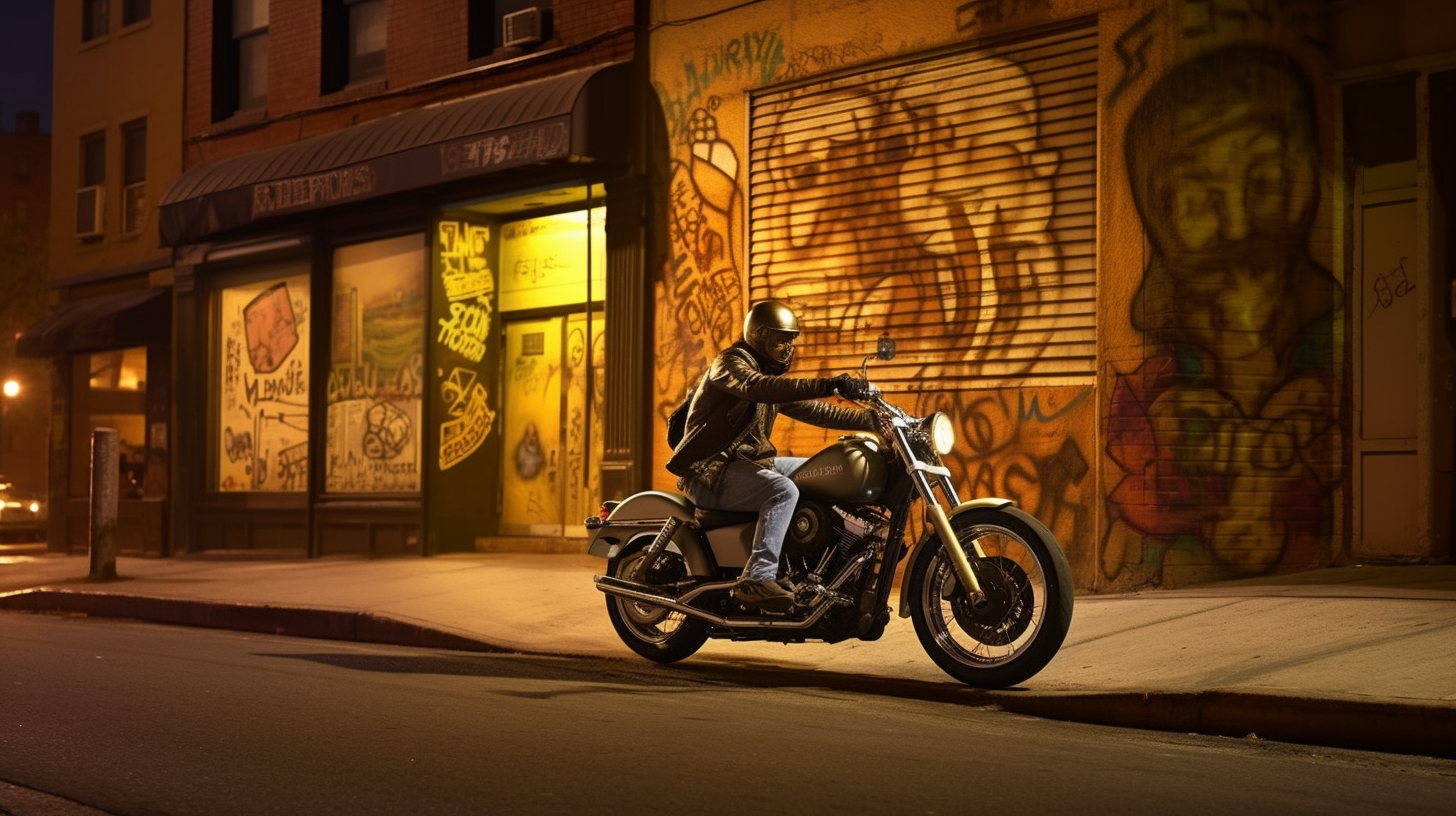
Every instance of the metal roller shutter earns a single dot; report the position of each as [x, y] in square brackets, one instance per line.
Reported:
[949, 201]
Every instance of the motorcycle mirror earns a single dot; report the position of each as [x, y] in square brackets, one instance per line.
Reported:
[886, 348]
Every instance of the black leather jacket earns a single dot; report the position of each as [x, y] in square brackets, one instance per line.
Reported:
[733, 412]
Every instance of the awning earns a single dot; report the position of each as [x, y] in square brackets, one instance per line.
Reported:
[576, 116]
[141, 317]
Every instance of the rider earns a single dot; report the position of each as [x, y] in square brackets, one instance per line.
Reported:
[726, 458]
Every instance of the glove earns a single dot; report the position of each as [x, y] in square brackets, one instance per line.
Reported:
[853, 388]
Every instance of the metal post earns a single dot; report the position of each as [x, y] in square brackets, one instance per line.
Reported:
[105, 499]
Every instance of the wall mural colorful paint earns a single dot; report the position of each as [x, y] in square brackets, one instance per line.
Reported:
[1225, 437]
[874, 191]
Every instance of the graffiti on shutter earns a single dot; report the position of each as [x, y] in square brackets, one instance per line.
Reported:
[949, 201]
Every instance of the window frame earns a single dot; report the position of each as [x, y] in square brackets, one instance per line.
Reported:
[92, 165]
[133, 177]
[135, 11]
[483, 26]
[237, 43]
[364, 66]
[95, 19]
[339, 64]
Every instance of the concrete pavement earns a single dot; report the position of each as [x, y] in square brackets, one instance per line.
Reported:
[1358, 657]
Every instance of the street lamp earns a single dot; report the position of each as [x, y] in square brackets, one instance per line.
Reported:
[11, 390]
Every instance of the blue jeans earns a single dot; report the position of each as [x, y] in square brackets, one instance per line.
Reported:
[745, 486]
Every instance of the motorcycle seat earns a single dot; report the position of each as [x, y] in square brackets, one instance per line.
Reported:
[708, 518]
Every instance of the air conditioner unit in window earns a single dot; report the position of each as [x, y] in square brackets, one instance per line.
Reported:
[521, 28]
[90, 207]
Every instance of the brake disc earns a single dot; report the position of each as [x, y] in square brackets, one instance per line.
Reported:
[1005, 612]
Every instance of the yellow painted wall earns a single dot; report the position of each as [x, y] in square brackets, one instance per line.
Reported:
[91, 97]
[1206, 440]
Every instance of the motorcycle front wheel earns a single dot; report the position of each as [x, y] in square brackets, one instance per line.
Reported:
[654, 632]
[1012, 632]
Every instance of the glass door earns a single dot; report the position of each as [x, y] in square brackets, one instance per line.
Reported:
[552, 444]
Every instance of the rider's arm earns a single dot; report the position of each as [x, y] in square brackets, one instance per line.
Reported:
[825, 415]
[734, 372]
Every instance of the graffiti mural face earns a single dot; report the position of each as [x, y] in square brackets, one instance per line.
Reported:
[1225, 176]
[1228, 433]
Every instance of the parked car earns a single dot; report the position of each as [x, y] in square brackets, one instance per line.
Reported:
[22, 518]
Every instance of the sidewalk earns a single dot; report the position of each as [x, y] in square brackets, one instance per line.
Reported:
[1359, 657]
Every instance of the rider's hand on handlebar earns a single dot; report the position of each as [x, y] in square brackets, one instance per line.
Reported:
[853, 388]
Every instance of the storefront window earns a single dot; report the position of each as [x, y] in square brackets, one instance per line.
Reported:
[544, 261]
[376, 371]
[118, 382]
[262, 376]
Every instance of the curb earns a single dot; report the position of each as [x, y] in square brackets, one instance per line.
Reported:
[1344, 722]
[307, 622]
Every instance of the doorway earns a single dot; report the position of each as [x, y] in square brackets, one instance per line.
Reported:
[1387, 437]
[552, 423]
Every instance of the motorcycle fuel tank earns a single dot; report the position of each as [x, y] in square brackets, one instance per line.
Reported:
[850, 470]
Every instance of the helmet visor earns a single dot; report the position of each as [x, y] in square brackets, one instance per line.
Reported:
[778, 345]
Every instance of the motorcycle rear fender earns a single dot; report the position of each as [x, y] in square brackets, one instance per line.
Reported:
[929, 534]
[644, 514]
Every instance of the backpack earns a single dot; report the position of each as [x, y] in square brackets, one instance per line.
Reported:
[677, 421]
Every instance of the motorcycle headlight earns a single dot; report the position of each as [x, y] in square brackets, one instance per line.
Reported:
[942, 433]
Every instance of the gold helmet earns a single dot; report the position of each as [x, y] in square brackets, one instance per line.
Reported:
[770, 329]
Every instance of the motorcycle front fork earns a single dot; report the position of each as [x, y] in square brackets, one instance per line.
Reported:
[941, 522]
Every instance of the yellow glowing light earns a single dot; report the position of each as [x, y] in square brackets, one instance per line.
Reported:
[12, 388]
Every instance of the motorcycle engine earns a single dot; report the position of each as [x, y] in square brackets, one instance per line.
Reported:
[813, 527]
[822, 537]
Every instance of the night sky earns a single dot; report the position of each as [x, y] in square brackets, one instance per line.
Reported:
[25, 60]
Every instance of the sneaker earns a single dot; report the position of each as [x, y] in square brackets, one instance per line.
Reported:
[767, 595]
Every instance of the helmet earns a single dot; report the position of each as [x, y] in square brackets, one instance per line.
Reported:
[770, 329]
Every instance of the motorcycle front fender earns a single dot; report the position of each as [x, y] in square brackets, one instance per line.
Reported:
[644, 514]
[990, 502]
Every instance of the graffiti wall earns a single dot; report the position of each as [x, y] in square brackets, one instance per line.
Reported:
[1224, 414]
[1104, 251]
[946, 201]
[462, 334]
[462, 450]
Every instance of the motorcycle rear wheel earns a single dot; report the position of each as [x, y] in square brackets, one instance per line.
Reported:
[1018, 627]
[656, 633]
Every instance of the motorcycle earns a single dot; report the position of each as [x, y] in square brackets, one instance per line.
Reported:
[987, 587]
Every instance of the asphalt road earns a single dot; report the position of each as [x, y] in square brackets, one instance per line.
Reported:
[132, 718]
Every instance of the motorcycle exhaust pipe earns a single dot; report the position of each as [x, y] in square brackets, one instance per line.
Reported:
[643, 593]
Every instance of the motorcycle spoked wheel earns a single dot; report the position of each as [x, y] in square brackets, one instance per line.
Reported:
[654, 632]
[1018, 627]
